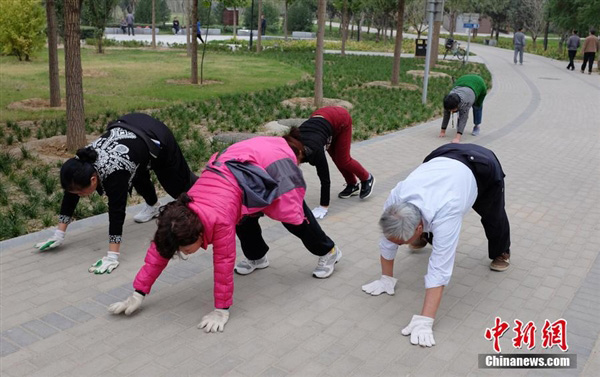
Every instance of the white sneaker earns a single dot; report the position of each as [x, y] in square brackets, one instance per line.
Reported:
[148, 213]
[327, 264]
[247, 266]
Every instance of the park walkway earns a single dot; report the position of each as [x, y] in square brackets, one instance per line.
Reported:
[540, 119]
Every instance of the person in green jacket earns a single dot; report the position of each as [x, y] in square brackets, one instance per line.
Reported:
[468, 92]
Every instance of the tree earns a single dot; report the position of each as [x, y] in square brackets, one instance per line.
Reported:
[319, 53]
[98, 13]
[344, 26]
[52, 54]
[497, 11]
[454, 8]
[73, 75]
[21, 27]
[235, 4]
[259, 28]
[194, 19]
[416, 17]
[300, 17]
[528, 14]
[143, 11]
[209, 4]
[398, 46]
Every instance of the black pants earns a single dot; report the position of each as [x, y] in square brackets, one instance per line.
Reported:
[588, 57]
[130, 29]
[199, 36]
[170, 166]
[490, 191]
[310, 232]
[572, 54]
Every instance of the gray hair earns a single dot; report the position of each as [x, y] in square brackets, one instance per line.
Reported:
[400, 220]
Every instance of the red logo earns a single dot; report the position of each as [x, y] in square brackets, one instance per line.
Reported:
[496, 333]
[553, 334]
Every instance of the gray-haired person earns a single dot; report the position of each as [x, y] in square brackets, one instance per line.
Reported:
[428, 207]
[519, 44]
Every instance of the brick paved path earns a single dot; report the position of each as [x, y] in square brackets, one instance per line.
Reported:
[540, 119]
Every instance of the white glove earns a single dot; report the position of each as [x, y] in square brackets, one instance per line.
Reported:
[55, 241]
[215, 320]
[129, 306]
[319, 212]
[420, 330]
[385, 284]
[103, 265]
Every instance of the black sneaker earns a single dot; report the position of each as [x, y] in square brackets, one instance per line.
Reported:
[350, 190]
[366, 187]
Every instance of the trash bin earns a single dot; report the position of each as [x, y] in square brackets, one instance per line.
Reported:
[421, 47]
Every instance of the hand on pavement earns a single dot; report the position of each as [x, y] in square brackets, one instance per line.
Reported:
[420, 330]
[319, 212]
[104, 265]
[55, 241]
[385, 284]
[215, 320]
[128, 306]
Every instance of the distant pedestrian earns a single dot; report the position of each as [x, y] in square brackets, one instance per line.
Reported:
[590, 47]
[263, 24]
[123, 26]
[176, 26]
[130, 20]
[469, 92]
[572, 46]
[199, 31]
[519, 44]
[329, 129]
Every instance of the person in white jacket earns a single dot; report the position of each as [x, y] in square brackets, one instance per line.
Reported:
[428, 207]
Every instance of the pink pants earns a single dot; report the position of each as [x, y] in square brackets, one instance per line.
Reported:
[339, 150]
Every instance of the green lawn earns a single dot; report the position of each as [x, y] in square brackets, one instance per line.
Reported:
[123, 80]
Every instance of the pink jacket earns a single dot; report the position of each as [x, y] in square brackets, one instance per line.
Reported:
[220, 203]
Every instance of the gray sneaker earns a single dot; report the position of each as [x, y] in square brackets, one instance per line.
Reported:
[247, 266]
[476, 131]
[327, 263]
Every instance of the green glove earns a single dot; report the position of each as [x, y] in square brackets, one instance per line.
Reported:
[56, 240]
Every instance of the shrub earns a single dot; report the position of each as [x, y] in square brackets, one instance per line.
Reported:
[22, 24]
[300, 17]
[271, 15]
[143, 12]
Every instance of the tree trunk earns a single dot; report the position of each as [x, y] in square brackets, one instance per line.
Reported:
[285, 17]
[153, 23]
[204, 46]
[73, 75]
[352, 29]
[235, 23]
[358, 29]
[344, 26]
[259, 36]
[546, 35]
[319, 53]
[398, 46]
[435, 43]
[52, 55]
[453, 16]
[194, 19]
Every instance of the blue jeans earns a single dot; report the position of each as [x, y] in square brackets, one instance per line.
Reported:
[477, 114]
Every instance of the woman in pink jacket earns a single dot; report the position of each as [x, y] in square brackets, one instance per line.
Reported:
[250, 178]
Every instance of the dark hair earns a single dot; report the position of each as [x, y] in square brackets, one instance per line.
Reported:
[593, 32]
[451, 101]
[520, 28]
[294, 140]
[574, 31]
[77, 172]
[178, 226]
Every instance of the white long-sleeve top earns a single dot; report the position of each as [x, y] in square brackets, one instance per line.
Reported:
[444, 190]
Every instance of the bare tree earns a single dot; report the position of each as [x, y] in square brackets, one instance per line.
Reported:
[73, 73]
[194, 19]
[153, 23]
[416, 16]
[259, 36]
[319, 53]
[398, 46]
[53, 54]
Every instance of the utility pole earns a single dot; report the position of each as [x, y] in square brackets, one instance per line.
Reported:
[435, 12]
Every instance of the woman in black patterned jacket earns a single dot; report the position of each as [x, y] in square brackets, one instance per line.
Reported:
[116, 163]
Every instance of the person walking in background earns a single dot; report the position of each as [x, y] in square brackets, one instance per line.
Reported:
[519, 44]
[572, 46]
[176, 26]
[130, 20]
[263, 24]
[329, 129]
[116, 162]
[199, 31]
[590, 47]
[469, 92]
